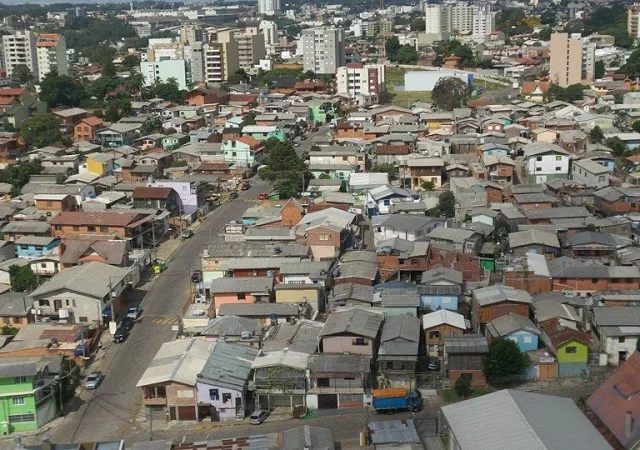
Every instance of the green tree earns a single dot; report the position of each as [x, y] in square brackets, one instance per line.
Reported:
[502, 228]
[124, 104]
[101, 87]
[599, 69]
[40, 130]
[17, 175]
[617, 145]
[447, 204]
[407, 55]
[21, 75]
[418, 24]
[130, 61]
[111, 113]
[632, 66]
[428, 185]
[449, 93]
[169, 90]
[457, 48]
[548, 17]
[385, 168]
[596, 135]
[391, 47]
[22, 278]
[284, 168]
[61, 90]
[463, 387]
[636, 126]
[545, 34]
[505, 362]
[250, 118]
[569, 94]
[108, 69]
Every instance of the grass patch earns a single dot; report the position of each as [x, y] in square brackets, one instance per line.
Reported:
[406, 99]
[450, 396]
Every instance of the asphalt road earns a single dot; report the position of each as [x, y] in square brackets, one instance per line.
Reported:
[110, 411]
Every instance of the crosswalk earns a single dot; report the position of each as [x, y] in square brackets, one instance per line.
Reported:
[251, 200]
[165, 321]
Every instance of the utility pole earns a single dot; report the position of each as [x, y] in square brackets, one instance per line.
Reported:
[150, 424]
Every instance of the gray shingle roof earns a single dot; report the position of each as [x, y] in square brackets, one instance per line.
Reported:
[510, 323]
[241, 284]
[500, 293]
[230, 326]
[533, 237]
[468, 343]
[354, 321]
[91, 279]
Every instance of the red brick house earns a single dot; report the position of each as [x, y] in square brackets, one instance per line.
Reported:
[498, 300]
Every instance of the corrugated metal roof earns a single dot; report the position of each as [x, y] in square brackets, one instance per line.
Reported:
[500, 293]
[354, 321]
[228, 366]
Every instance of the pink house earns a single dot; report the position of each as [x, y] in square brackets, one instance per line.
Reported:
[242, 290]
[352, 332]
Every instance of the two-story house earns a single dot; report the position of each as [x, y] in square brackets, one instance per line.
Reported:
[499, 168]
[244, 150]
[495, 301]
[458, 239]
[354, 331]
[263, 133]
[132, 226]
[30, 247]
[617, 330]
[464, 357]
[440, 288]
[398, 352]
[380, 199]
[85, 129]
[570, 347]
[156, 197]
[534, 241]
[617, 200]
[519, 329]
[240, 290]
[544, 161]
[338, 381]
[441, 324]
[116, 135]
[423, 172]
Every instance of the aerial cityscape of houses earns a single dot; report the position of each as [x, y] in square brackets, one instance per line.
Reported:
[253, 226]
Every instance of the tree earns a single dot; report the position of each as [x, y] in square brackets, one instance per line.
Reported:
[463, 387]
[386, 168]
[130, 61]
[502, 228]
[22, 278]
[545, 34]
[21, 75]
[250, 118]
[407, 55]
[457, 48]
[636, 126]
[505, 362]
[284, 168]
[632, 66]
[108, 69]
[617, 145]
[428, 185]
[391, 47]
[548, 17]
[599, 69]
[449, 93]
[61, 90]
[40, 130]
[596, 135]
[447, 204]
[169, 90]
[101, 87]
[418, 24]
[570, 94]
[112, 114]
[17, 175]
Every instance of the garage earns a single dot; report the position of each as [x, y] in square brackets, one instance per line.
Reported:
[327, 401]
[186, 413]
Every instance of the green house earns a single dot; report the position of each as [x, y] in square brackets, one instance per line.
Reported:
[27, 396]
[320, 109]
[570, 347]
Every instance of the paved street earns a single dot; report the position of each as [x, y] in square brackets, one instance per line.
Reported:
[109, 412]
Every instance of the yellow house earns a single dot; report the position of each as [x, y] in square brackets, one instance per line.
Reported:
[435, 121]
[545, 135]
[100, 164]
[298, 293]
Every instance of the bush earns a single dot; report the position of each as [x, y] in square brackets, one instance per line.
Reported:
[463, 387]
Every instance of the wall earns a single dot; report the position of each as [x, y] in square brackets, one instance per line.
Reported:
[445, 330]
[526, 341]
[433, 302]
[547, 164]
[226, 411]
[221, 299]
[612, 347]
[344, 345]
[7, 387]
[180, 394]
[491, 312]
[426, 80]
[297, 295]
[581, 355]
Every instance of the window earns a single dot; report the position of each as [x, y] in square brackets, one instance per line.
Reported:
[103, 229]
[594, 280]
[226, 398]
[91, 228]
[538, 169]
[527, 339]
[18, 401]
[621, 339]
[214, 394]
[539, 158]
[76, 228]
[466, 376]
[359, 341]
[434, 335]
[241, 296]
[20, 379]
[17, 418]
[558, 169]
[558, 158]
[571, 349]
[325, 237]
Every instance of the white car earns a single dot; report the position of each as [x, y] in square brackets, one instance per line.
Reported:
[93, 381]
[134, 313]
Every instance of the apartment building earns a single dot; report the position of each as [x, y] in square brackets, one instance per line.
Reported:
[323, 50]
[220, 56]
[566, 60]
[20, 49]
[443, 19]
[588, 60]
[251, 47]
[51, 51]
[270, 31]
[360, 81]
[633, 21]
[196, 63]
[153, 71]
[268, 7]
[190, 33]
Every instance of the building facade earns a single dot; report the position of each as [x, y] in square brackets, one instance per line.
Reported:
[51, 50]
[323, 50]
[360, 80]
[20, 49]
[566, 60]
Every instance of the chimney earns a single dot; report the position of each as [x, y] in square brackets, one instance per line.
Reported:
[628, 424]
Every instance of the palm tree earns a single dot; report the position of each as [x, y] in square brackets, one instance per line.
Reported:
[134, 85]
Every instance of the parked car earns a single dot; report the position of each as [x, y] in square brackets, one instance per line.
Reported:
[93, 381]
[187, 233]
[196, 276]
[134, 313]
[127, 323]
[81, 351]
[245, 186]
[120, 335]
[233, 196]
[433, 363]
[263, 196]
[258, 416]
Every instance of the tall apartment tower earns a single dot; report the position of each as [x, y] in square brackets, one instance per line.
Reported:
[270, 31]
[190, 33]
[20, 49]
[633, 21]
[197, 62]
[588, 60]
[220, 56]
[566, 60]
[51, 50]
[323, 50]
[360, 80]
[251, 48]
[483, 21]
[436, 19]
[268, 7]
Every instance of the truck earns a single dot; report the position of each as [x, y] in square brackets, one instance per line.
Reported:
[391, 400]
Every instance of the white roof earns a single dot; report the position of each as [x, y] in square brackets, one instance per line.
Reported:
[178, 361]
[368, 179]
[296, 360]
[443, 316]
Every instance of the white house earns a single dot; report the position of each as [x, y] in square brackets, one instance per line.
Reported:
[544, 161]
[590, 173]
[379, 199]
[403, 226]
[618, 328]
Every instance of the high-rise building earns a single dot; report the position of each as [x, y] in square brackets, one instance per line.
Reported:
[20, 49]
[323, 50]
[196, 64]
[153, 71]
[251, 48]
[220, 56]
[359, 80]
[270, 31]
[484, 21]
[566, 60]
[190, 33]
[588, 60]
[443, 19]
[51, 50]
[268, 7]
[633, 21]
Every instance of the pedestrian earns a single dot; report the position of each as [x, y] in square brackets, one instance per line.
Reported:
[99, 345]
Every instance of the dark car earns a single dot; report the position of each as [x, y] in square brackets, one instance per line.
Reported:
[245, 186]
[196, 276]
[120, 335]
[127, 323]
[433, 363]
[233, 196]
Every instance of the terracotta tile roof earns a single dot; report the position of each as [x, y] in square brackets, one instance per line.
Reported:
[151, 192]
[7, 100]
[392, 150]
[105, 218]
[529, 86]
[92, 121]
[63, 333]
[559, 334]
[11, 92]
[620, 394]
[634, 158]
[244, 98]
[213, 167]
[251, 142]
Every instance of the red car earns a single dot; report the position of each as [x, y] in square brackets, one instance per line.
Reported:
[262, 196]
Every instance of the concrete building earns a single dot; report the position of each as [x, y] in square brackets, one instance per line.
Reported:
[359, 80]
[220, 57]
[566, 60]
[323, 50]
[190, 33]
[251, 47]
[483, 21]
[633, 21]
[153, 71]
[51, 50]
[196, 65]
[270, 31]
[426, 81]
[443, 19]
[20, 49]
[268, 7]
[588, 60]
